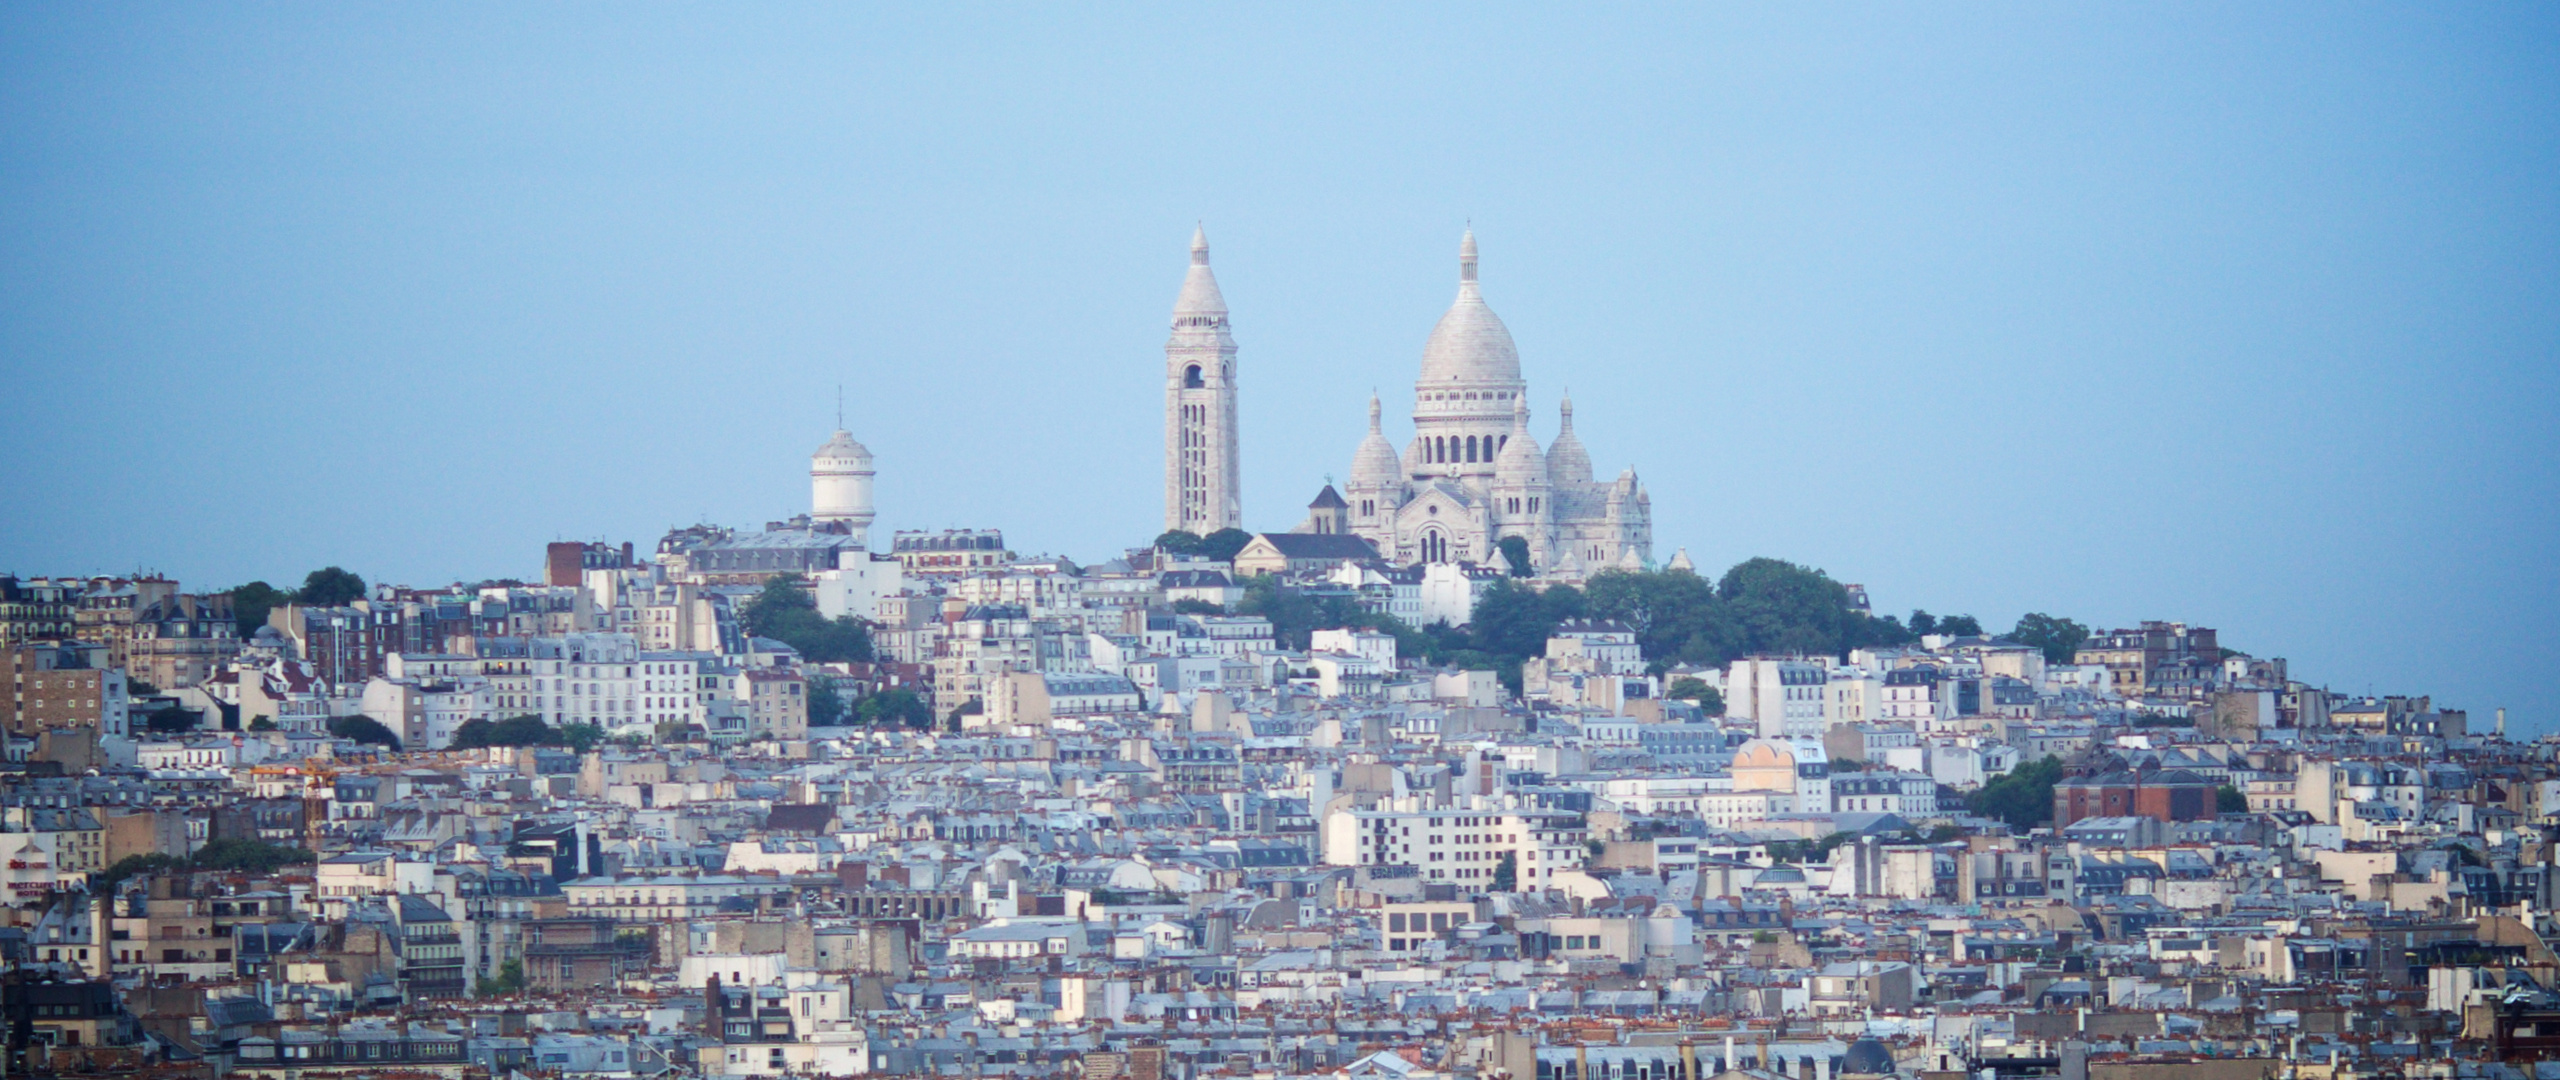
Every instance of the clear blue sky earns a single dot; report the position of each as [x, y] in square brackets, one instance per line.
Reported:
[2244, 315]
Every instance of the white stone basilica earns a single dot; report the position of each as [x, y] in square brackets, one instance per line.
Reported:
[1473, 474]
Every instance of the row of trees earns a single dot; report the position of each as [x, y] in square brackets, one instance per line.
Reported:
[1219, 546]
[1759, 606]
[525, 730]
[250, 856]
[893, 707]
[325, 587]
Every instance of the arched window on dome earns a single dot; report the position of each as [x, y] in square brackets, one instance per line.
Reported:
[1191, 378]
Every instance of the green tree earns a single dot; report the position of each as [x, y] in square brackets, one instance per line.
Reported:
[250, 604]
[1222, 545]
[2230, 800]
[1515, 551]
[262, 722]
[894, 707]
[1847, 764]
[133, 866]
[1675, 614]
[1960, 626]
[1513, 621]
[1292, 614]
[1195, 606]
[826, 706]
[249, 856]
[1780, 607]
[365, 729]
[2060, 638]
[329, 587]
[2023, 796]
[1922, 622]
[509, 980]
[1178, 542]
[171, 719]
[526, 730]
[785, 612]
[1506, 874]
[1692, 688]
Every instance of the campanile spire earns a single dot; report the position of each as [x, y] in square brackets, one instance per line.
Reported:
[1200, 460]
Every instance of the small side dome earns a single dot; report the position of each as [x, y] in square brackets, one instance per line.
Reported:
[1567, 461]
[1520, 461]
[1375, 464]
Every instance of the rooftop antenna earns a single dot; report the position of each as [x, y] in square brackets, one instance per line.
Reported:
[839, 406]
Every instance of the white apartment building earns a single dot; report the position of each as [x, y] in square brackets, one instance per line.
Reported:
[1464, 841]
[1656, 795]
[1784, 696]
[1378, 648]
[1853, 695]
[601, 679]
[1884, 791]
[1732, 809]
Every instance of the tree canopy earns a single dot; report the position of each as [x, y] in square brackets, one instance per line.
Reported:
[250, 604]
[1295, 616]
[1761, 605]
[329, 587]
[249, 856]
[2023, 796]
[1692, 688]
[826, 706]
[1222, 545]
[785, 612]
[1515, 553]
[2060, 638]
[1178, 542]
[893, 707]
[527, 730]
[364, 729]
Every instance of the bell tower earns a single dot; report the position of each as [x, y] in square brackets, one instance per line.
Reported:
[1200, 474]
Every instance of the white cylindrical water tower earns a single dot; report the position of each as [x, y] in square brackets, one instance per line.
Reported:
[840, 485]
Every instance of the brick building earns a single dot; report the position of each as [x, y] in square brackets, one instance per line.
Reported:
[45, 687]
[2169, 795]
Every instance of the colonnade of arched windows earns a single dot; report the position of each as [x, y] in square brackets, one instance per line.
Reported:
[1467, 449]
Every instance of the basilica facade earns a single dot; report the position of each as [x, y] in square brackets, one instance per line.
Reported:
[1473, 474]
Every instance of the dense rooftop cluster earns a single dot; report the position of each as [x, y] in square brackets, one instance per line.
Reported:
[767, 804]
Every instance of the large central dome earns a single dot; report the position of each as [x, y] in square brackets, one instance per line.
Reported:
[1470, 347]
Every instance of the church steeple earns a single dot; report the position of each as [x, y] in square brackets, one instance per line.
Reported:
[1200, 455]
